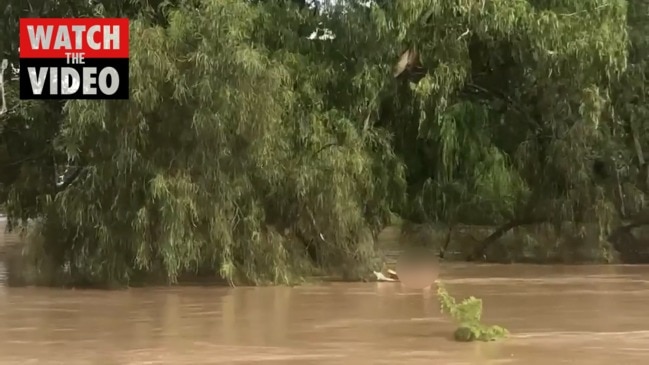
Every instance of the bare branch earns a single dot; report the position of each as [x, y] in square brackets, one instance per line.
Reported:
[3, 67]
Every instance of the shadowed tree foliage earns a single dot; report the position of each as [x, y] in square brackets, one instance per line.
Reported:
[627, 158]
[513, 113]
[267, 140]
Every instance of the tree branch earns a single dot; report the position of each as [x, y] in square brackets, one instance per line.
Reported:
[479, 251]
[69, 180]
[3, 67]
[447, 241]
[326, 146]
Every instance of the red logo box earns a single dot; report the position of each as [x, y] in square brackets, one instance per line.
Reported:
[74, 58]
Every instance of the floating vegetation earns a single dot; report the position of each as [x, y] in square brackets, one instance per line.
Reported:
[468, 314]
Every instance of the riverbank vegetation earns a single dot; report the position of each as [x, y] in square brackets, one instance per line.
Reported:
[266, 140]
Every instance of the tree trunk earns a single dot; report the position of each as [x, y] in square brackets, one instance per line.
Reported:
[479, 251]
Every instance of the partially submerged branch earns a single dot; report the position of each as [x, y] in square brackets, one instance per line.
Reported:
[481, 248]
[447, 241]
[632, 249]
[641, 219]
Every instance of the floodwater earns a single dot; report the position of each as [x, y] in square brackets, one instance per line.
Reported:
[557, 315]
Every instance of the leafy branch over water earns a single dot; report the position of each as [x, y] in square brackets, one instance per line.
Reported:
[467, 314]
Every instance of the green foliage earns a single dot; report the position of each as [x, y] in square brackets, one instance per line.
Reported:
[224, 162]
[467, 314]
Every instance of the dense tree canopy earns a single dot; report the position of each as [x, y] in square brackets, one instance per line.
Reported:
[267, 139]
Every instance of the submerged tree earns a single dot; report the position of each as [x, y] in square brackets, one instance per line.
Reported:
[221, 162]
[627, 164]
[515, 111]
[513, 117]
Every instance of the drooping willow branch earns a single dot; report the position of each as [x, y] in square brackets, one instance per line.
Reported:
[3, 67]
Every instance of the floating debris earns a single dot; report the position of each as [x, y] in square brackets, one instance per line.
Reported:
[381, 277]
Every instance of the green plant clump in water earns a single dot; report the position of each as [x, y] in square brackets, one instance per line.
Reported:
[468, 314]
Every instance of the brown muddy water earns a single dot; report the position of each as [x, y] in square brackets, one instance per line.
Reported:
[557, 315]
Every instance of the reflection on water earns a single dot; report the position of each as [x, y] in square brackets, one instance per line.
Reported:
[557, 315]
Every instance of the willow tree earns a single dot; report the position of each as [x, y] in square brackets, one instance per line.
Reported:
[221, 163]
[630, 95]
[627, 151]
[511, 123]
[29, 162]
[514, 112]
